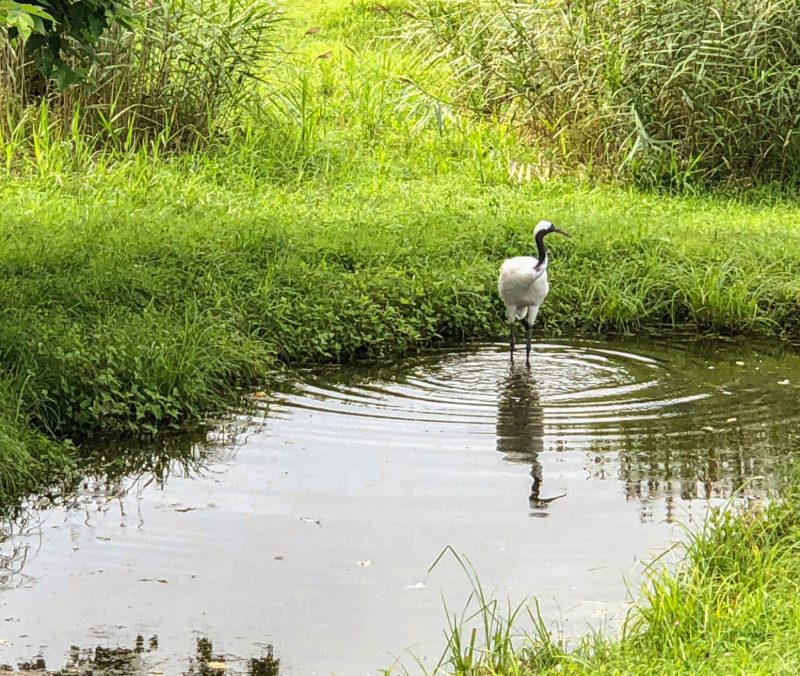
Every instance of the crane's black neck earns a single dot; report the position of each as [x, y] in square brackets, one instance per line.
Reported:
[541, 252]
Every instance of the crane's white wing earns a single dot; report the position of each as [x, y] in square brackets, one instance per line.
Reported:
[521, 285]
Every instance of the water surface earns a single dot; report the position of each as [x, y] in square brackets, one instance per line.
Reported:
[300, 543]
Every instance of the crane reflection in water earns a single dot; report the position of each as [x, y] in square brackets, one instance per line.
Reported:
[520, 430]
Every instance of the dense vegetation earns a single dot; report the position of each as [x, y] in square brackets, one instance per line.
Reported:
[667, 93]
[237, 186]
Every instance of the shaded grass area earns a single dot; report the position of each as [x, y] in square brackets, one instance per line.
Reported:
[28, 459]
[727, 608]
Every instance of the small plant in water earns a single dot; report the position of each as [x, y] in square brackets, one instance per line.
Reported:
[484, 638]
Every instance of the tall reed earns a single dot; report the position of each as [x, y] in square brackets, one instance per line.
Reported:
[187, 72]
[668, 92]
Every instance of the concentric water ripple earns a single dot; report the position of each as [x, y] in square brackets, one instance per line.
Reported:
[583, 391]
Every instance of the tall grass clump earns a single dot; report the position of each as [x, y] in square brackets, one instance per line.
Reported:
[28, 459]
[669, 93]
[485, 638]
[180, 74]
[191, 68]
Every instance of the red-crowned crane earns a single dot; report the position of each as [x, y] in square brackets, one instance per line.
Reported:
[523, 285]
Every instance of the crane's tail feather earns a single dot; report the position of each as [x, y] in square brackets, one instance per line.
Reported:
[521, 312]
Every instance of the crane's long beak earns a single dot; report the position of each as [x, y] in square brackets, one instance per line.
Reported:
[562, 232]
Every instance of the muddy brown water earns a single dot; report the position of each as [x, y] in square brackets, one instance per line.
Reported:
[297, 539]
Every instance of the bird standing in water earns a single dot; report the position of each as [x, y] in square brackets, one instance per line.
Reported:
[523, 285]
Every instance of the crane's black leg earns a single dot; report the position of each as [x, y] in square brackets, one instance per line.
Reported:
[513, 341]
[528, 346]
[534, 498]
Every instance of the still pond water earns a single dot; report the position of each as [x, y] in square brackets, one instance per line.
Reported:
[297, 540]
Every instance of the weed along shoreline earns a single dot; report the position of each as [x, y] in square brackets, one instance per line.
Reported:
[294, 185]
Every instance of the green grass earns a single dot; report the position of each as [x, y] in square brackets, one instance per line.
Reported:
[728, 608]
[358, 215]
[28, 459]
[136, 302]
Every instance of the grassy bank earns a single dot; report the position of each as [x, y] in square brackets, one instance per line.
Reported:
[727, 608]
[129, 308]
[29, 460]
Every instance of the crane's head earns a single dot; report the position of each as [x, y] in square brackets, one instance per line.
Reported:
[546, 227]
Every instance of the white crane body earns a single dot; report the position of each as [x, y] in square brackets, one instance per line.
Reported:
[523, 285]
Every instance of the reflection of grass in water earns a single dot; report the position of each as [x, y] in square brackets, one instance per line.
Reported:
[152, 460]
[690, 467]
[122, 661]
[114, 468]
[141, 463]
[394, 371]
[12, 562]
[107, 470]
[728, 607]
